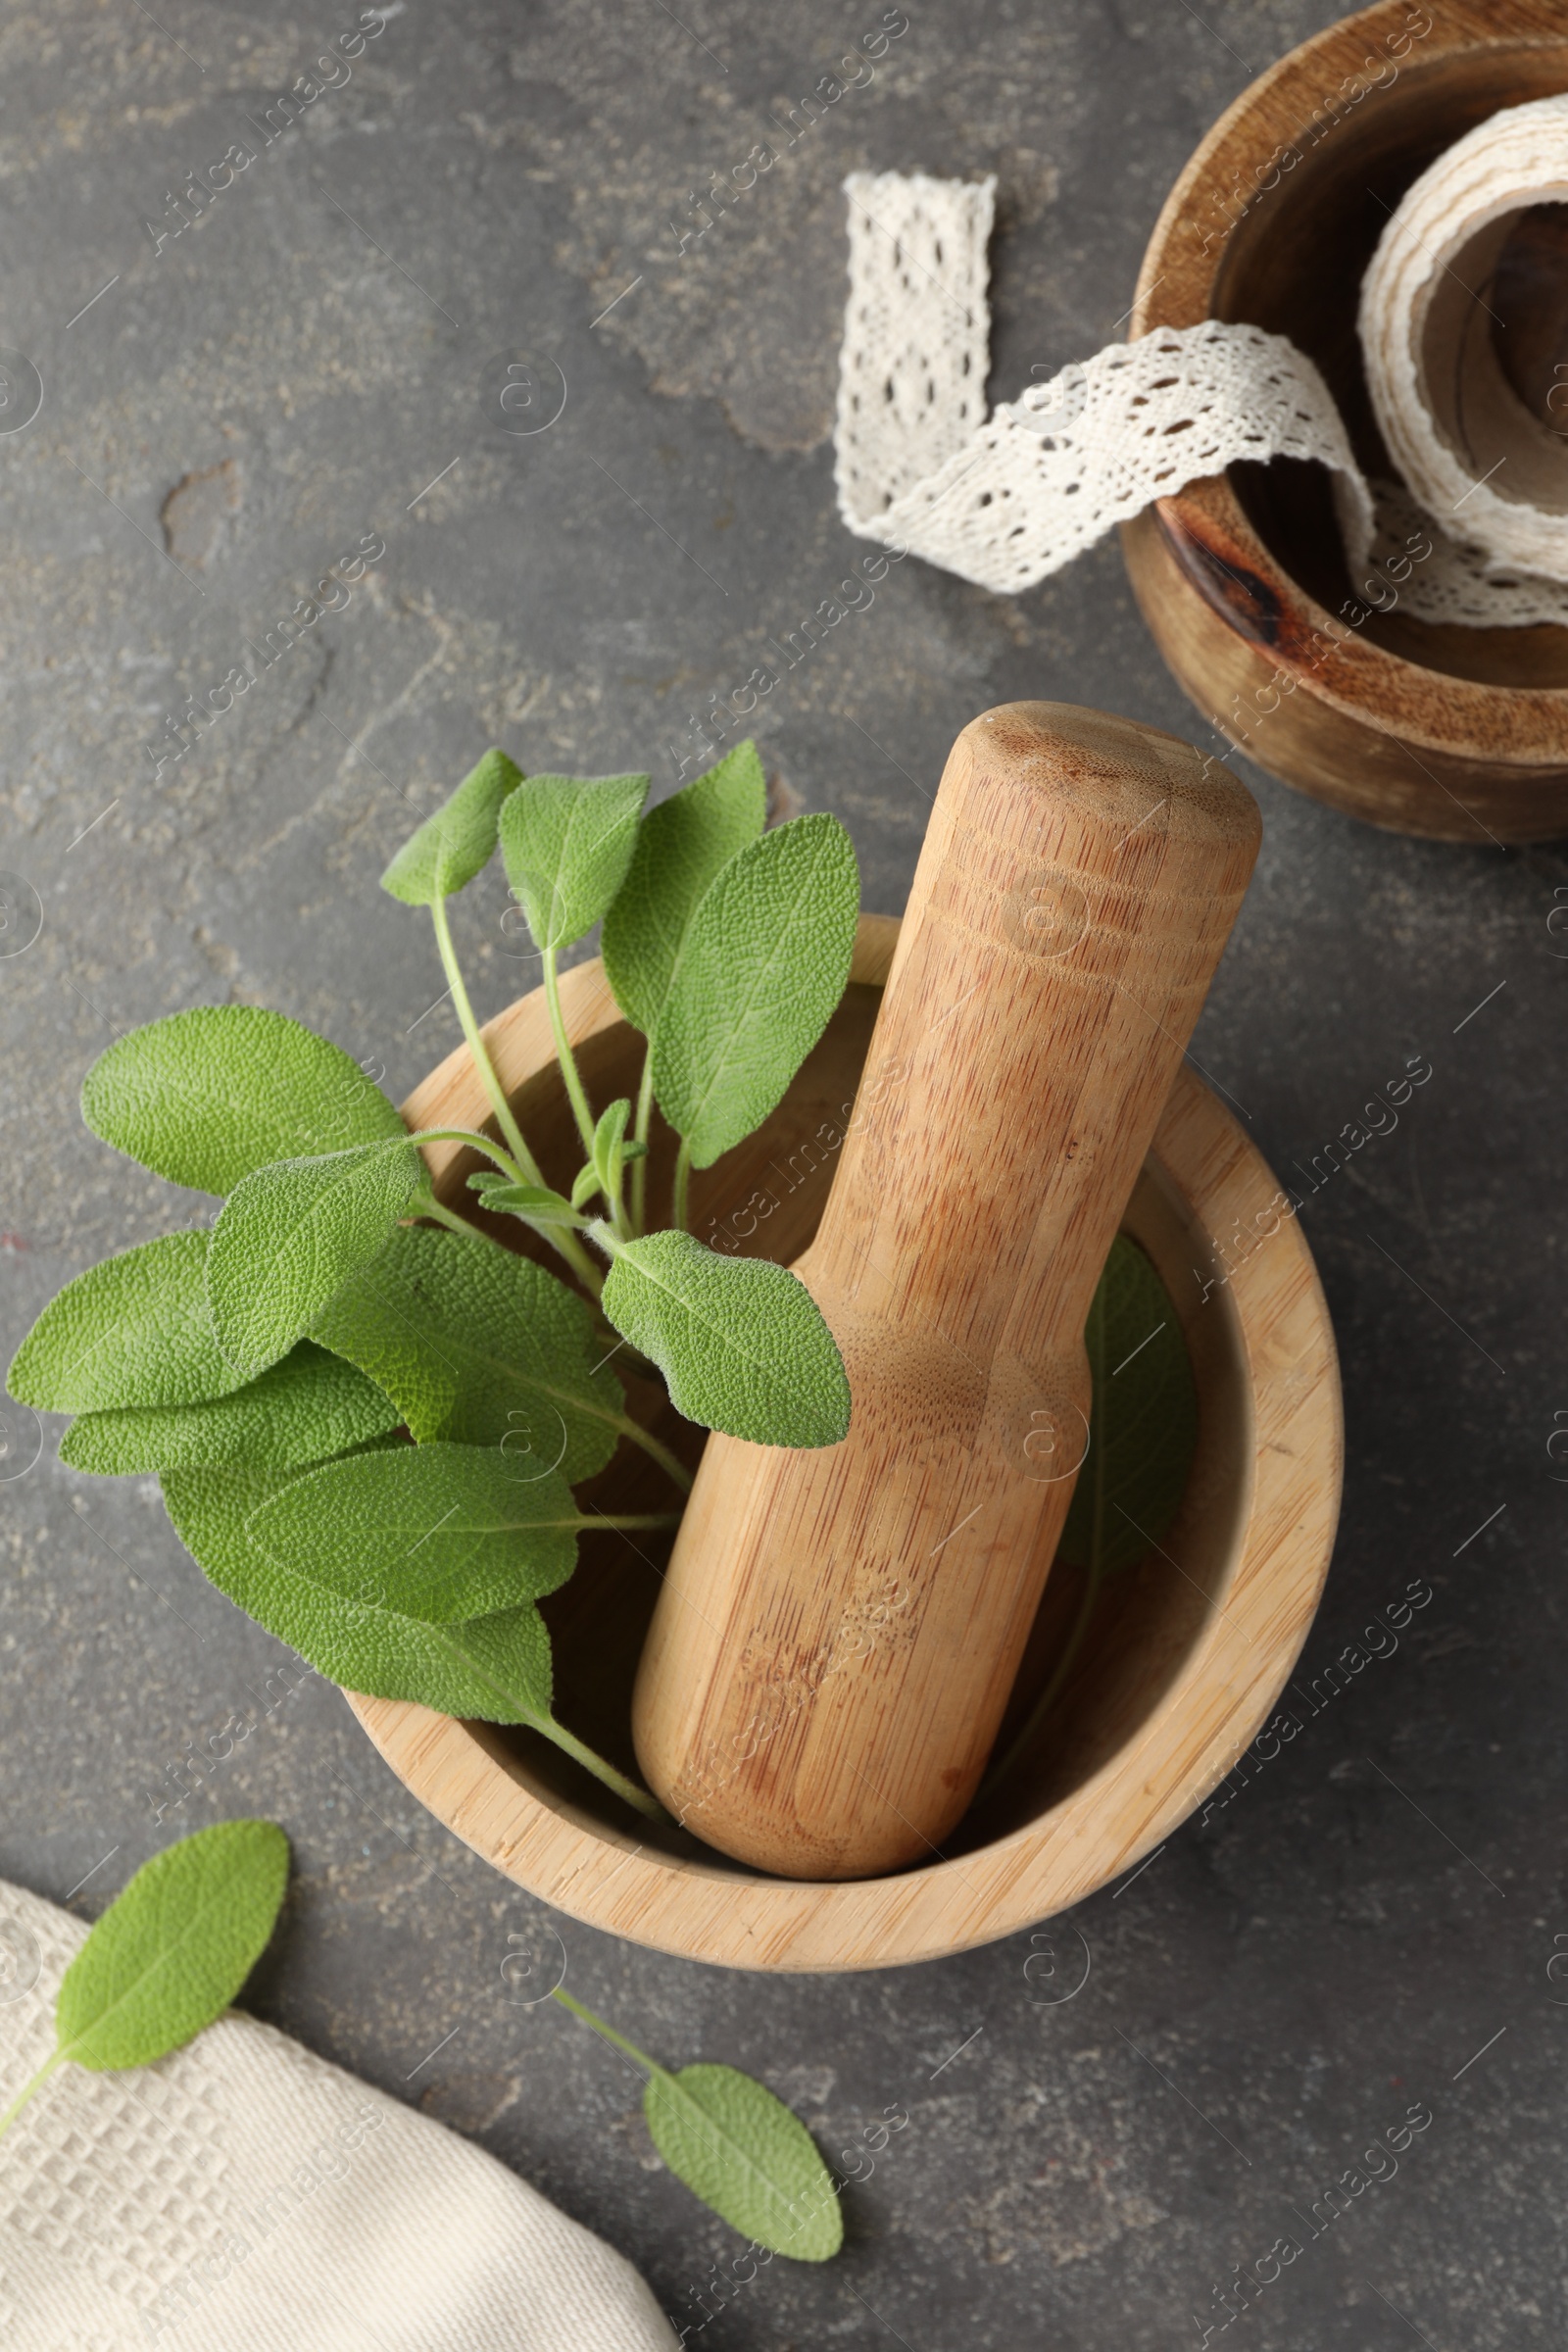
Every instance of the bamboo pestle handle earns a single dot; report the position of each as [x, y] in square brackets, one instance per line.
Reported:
[838, 1629]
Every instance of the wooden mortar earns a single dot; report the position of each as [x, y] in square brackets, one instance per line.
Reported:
[1176, 1678]
[1456, 733]
[840, 1626]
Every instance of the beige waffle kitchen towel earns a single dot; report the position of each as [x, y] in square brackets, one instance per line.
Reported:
[245, 2196]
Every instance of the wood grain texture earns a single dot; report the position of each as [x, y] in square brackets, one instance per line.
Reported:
[1459, 734]
[840, 1627]
[1168, 1690]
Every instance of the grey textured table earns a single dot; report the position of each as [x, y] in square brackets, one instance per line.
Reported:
[1379, 1903]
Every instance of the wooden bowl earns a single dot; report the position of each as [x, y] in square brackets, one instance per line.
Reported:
[1172, 1684]
[1456, 733]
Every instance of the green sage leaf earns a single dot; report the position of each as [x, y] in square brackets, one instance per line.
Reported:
[681, 847]
[612, 1151]
[492, 1670]
[745, 2154]
[309, 1406]
[741, 1342]
[136, 1330]
[173, 1947]
[456, 843]
[566, 842]
[206, 1097]
[764, 962]
[1143, 1423]
[535, 1201]
[478, 1348]
[611, 1154]
[439, 1533]
[290, 1235]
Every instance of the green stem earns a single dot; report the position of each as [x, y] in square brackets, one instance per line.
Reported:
[615, 1341]
[618, 1205]
[639, 1167]
[28, 2089]
[429, 1206]
[581, 1110]
[562, 1240]
[596, 1523]
[480, 1143]
[667, 1462]
[477, 1048]
[568, 1741]
[598, 2024]
[1046, 1699]
[683, 1178]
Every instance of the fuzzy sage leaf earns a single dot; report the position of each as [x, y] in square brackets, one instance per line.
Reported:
[1142, 1436]
[478, 1348]
[494, 1669]
[170, 1953]
[681, 847]
[741, 1342]
[764, 965]
[743, 2152]
[535, 1203]
[206, 1097]
[456, 843]
[173, 1947]
[566, 842]
[134, 1330]
[290, 1235]
[738, 2148]
[1143, 1419]
[439, 1533]
[300, 1411]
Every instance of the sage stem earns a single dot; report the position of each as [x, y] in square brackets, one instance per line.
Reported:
[479, 1142]
[644, 1121]
[546, 1725]
[683, 1178]
[28, 2089]
[568, 1741]
[581, 1110]
[429, 1206]
[565, 1243]
[667, 1462]
[597, 2025]
[477, 1048]
[596, 1523]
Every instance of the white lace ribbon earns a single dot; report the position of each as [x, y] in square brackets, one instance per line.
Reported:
[1008, 499]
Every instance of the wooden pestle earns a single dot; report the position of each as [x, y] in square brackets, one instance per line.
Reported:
[838, 1629]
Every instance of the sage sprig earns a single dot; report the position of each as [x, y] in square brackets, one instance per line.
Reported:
[272, 1370]
[736, 2146]
[170, 1953]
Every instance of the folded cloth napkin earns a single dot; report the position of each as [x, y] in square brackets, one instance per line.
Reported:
[243, 2195]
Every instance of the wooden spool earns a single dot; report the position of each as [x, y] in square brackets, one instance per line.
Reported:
[1456, 733]
[1174, 1681]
